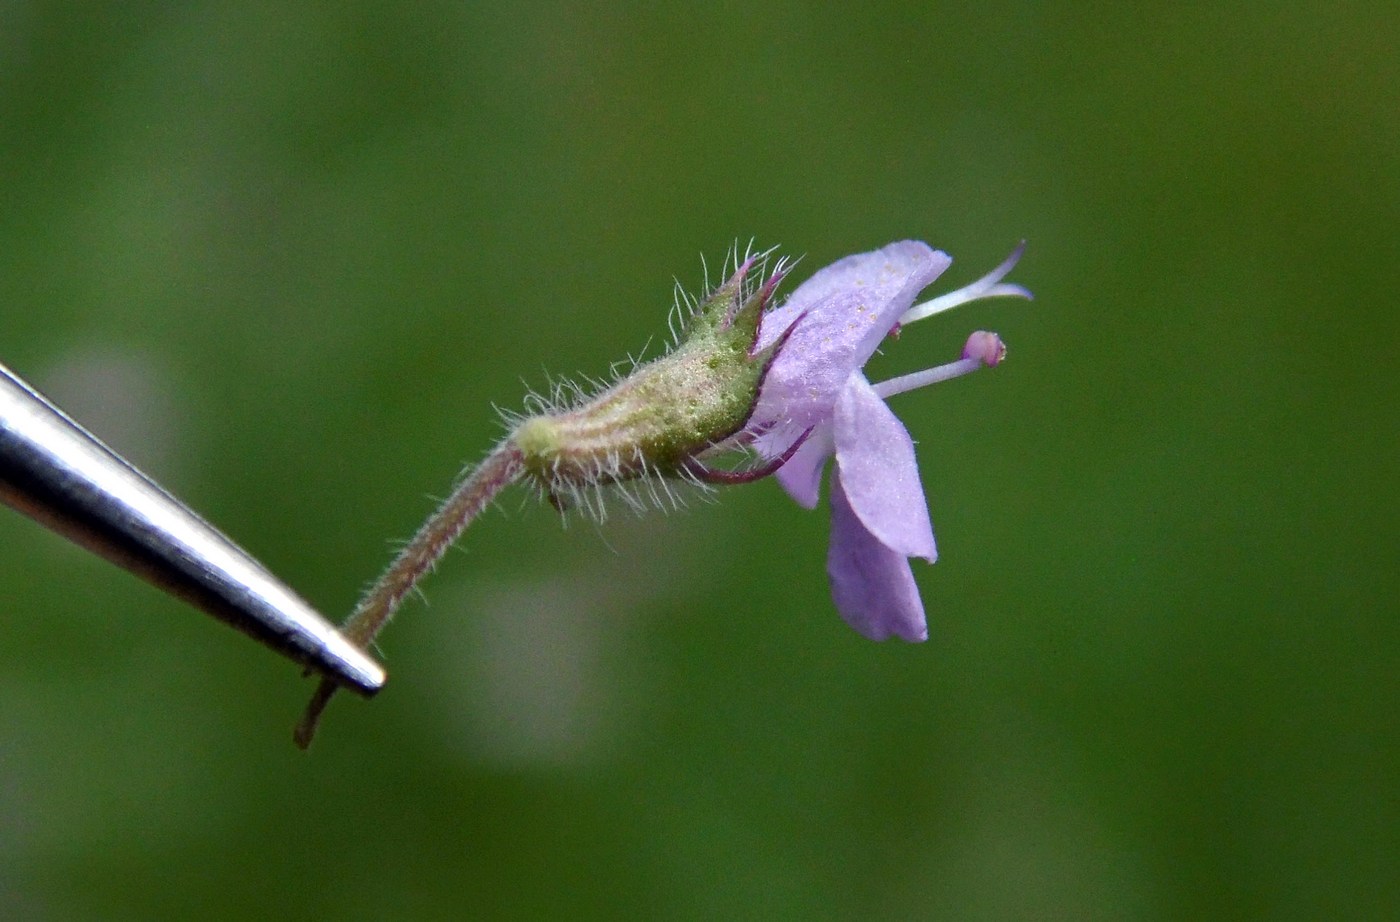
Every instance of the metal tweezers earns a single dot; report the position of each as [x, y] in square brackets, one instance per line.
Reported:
[53, 470]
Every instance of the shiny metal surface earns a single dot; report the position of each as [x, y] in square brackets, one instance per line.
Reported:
[56, 472]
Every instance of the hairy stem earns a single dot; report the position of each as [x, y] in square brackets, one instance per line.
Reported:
[500, 469]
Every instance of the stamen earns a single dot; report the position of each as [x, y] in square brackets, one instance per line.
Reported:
[986, 287]
[985, 347]
[982, 348]
[887, 389]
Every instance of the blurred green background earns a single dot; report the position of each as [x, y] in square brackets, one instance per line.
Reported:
[288, 256]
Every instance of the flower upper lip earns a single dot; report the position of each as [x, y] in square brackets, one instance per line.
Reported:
[850, 306]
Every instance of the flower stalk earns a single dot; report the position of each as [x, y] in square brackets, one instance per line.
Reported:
[476, 491]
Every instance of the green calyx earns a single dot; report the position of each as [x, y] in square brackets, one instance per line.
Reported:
[666, 412]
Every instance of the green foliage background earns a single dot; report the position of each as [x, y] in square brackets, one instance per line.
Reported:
[286, 256]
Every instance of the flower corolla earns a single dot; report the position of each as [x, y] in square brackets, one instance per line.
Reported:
[815, 396]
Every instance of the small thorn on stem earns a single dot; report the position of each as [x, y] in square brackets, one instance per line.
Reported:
[305, 730]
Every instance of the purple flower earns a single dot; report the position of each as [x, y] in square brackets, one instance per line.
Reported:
[834, 322]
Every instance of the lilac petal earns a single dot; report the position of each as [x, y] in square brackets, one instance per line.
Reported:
[801, 476]
[881, 271]
[872, 585]
[876, 458]
[850, 307]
